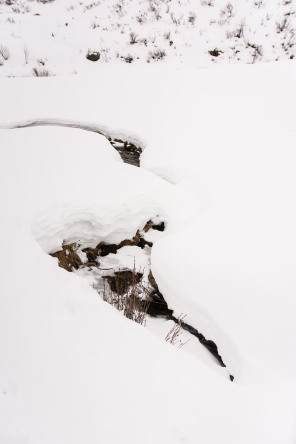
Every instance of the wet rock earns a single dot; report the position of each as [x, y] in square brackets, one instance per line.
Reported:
[158, 306]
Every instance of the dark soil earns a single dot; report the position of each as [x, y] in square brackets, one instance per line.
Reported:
[122, 280]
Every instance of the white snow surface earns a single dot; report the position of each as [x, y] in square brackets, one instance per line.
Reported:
[72, 368]
[47, 37]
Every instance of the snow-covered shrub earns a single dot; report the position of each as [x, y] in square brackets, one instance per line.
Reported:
[257, 52]
[26, 54]
[133, 38]
[127, 58]
[281, 26]
[192, 17]
[239, 31]
[215, 52]
[39, 72]
[156, 55]
[4, 52]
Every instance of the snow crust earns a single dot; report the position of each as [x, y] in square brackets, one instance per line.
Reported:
[73, 370]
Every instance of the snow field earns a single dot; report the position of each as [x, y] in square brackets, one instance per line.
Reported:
[73, 369]
[53, 38]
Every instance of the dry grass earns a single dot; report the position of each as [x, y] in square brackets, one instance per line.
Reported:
[68, 258]
[127, 293]
[174, 335]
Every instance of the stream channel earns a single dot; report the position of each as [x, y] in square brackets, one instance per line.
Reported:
[129, 288]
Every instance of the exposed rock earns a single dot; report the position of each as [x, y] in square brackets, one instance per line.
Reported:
[93, 56]
[158, 227]
[122, 280]
[158, 306]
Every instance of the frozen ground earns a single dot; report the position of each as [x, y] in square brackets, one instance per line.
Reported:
[54, 37]
[218, 166]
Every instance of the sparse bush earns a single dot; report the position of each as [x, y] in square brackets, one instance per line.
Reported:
[167, 35]
[156, 55]
[258, 3]
[176, 20]
[26, 54]
[142, 18]
[283, 25]
[207, 2]
[215, 52]
[4, 52]
[226, 13]
[38, 72]
[90, 6]
[155, 8]
[133, 38]
[20, 9]
[118, 8]
[239, 31]
[173, 336]
[257, 53]
[127, 293]
[192, 18]
[94, 25]
[128, 58]
[10, 20]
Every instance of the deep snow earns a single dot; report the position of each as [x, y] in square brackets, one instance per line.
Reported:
[73, 369]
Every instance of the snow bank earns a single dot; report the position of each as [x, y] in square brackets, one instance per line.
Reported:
[72, 367]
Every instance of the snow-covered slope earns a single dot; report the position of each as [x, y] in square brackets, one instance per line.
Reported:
[54, 37]
[73, 369]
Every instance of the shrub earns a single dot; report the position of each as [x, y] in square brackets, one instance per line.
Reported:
[192, 17]
[39, 72]
[281, 26]
[127, 293]
[133, 38]
[4, 52]
[127, 58]
[173, 336]
[239, 31]
[156, 55]
[215, 52]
